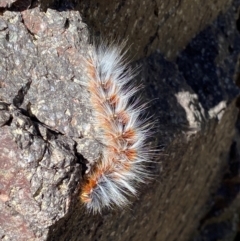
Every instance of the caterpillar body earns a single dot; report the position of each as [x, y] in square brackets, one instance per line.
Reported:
[123, 131]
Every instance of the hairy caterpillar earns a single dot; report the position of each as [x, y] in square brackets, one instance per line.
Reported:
[123, 131]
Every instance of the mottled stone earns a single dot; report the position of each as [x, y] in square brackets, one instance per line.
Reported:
[6, 3]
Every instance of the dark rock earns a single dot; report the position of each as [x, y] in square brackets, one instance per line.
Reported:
[150, 25]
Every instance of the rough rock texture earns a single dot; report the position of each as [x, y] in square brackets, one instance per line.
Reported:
[42, 111]
[47, 133]
[6, 3]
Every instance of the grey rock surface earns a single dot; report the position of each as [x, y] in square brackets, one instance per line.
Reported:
[42, 110]
[48, 135]
[6, 3]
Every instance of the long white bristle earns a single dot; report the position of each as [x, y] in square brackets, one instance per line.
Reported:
[122, 132]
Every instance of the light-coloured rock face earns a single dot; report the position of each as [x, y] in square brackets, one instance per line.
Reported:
[6, 3]
[47, 133]
[42, 109]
